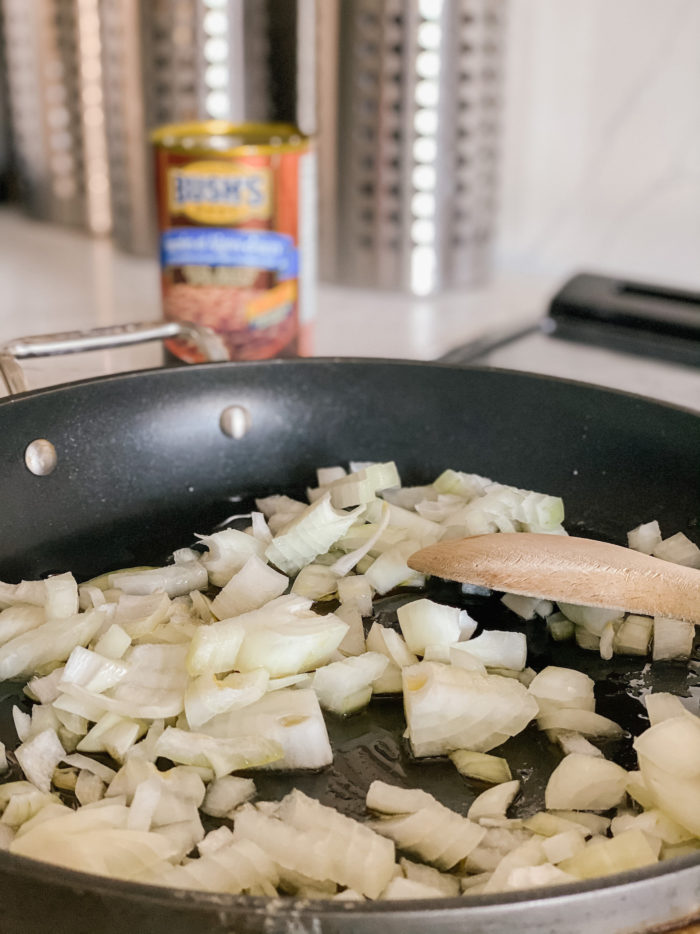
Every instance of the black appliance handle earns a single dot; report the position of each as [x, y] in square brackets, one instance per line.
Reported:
[108, 338]
[630, 316]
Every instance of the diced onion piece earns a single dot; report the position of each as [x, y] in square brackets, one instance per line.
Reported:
[355, 590]
[449, 708]
[458, 656]
[215, 648]
[679, 549]
[560, 628]
[434, 834]
[112, 734]
[402, 888]
[61, 596]
[425, 875]
[222, 755]
[15, 620]
[547, 824]
[309, 534]
[91, 671]
[346, 686]
[389, 681]
[633, 635]
[348, 561]
[227, 793]
[45, 690]
[354, 639]
[661, 706]
[362, 486]
[494, 802]
[174, 579]
[249, 588]
[353, 858]
[496, 649]
[291, 717]
[393, 799]
[51, 642]
[583, 782]
[524, 607]
[571, 741]
[228, 551]
[326, 475]
[645, 537]
[390, 568]
[205, 696]
[600, 857]
[287, 643]
[592, 618]
[481, 766]
[673, 638]
[39, 756]
[139, 615]
[466, 485]
[555, 687]
[424, 622]
[579, 721]
[315, 581]
[88, 787]
[113, 643]
[586, 640]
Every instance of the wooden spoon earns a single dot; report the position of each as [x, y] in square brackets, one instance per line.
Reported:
[573, 570]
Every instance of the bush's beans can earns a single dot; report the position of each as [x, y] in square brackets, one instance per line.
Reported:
[236, 218]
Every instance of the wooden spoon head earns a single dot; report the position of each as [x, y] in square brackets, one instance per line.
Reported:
[567, 569]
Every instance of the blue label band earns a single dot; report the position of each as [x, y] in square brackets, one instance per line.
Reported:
[222, 246]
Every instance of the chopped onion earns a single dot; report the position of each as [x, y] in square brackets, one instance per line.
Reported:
[362, 485]
[661, 706]
[228, 551]
[221, 755]
[139, 615]
[673, 638]
[390, 568]
[593, 618]
[91, 671]
[571, 741]
[316, 581]
[39, 756]
[18, 619]
[579, 721]
[255, 584]
[481, 766]
[524, 607]
[633, 635]
[645, 537]
[424, 622]
[175, 579]
[630, 850]
[560, 628]
[227, 793]
[354, 639]
[290, 717]
[583, 782]
[555, 688]
[346, 686]
[679, 549]
[495, 649]
[483, 709]
[51, 642]
[310, 533]
[205, 696]
[494, 802]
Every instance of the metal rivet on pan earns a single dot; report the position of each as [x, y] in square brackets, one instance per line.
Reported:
[235, 421]
[40, 457]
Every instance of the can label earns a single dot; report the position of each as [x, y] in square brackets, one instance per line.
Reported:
[231, 247]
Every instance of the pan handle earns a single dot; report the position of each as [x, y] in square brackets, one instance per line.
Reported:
[207, 342]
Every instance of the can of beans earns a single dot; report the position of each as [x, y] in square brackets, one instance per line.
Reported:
[236, 218]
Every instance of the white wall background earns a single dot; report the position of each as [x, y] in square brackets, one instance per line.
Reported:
[601, 146]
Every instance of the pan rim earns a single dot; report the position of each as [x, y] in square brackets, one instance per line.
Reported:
[321, 362]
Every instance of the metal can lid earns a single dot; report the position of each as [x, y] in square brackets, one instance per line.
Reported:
[221, 136]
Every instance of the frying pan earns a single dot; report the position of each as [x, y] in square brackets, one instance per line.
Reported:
[144, 460]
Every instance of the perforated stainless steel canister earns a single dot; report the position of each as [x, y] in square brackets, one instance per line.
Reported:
[409, 140]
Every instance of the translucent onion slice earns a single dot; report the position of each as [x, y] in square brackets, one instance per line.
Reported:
[18, 619]
[51, 642]
[228, 551]
[582, 782]
[39, 756]
[346, 686]
[601, 856]
[449, 708]
[673, 638]
[310, 533]
[555, 688]
[645, 537]
[494, 802]
[222, 755]
[227, 793]
[255, 584]
[580, 721]
[206, 696]
[494, 649]
[174, 579]
[291, 717]
[481, 766]
[424, 622]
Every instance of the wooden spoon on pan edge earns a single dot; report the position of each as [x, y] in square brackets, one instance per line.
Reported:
[567, 569]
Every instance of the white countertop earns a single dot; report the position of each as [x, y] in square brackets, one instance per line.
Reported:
[54, 279]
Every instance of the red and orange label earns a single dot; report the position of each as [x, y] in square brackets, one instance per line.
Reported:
[235, 207]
